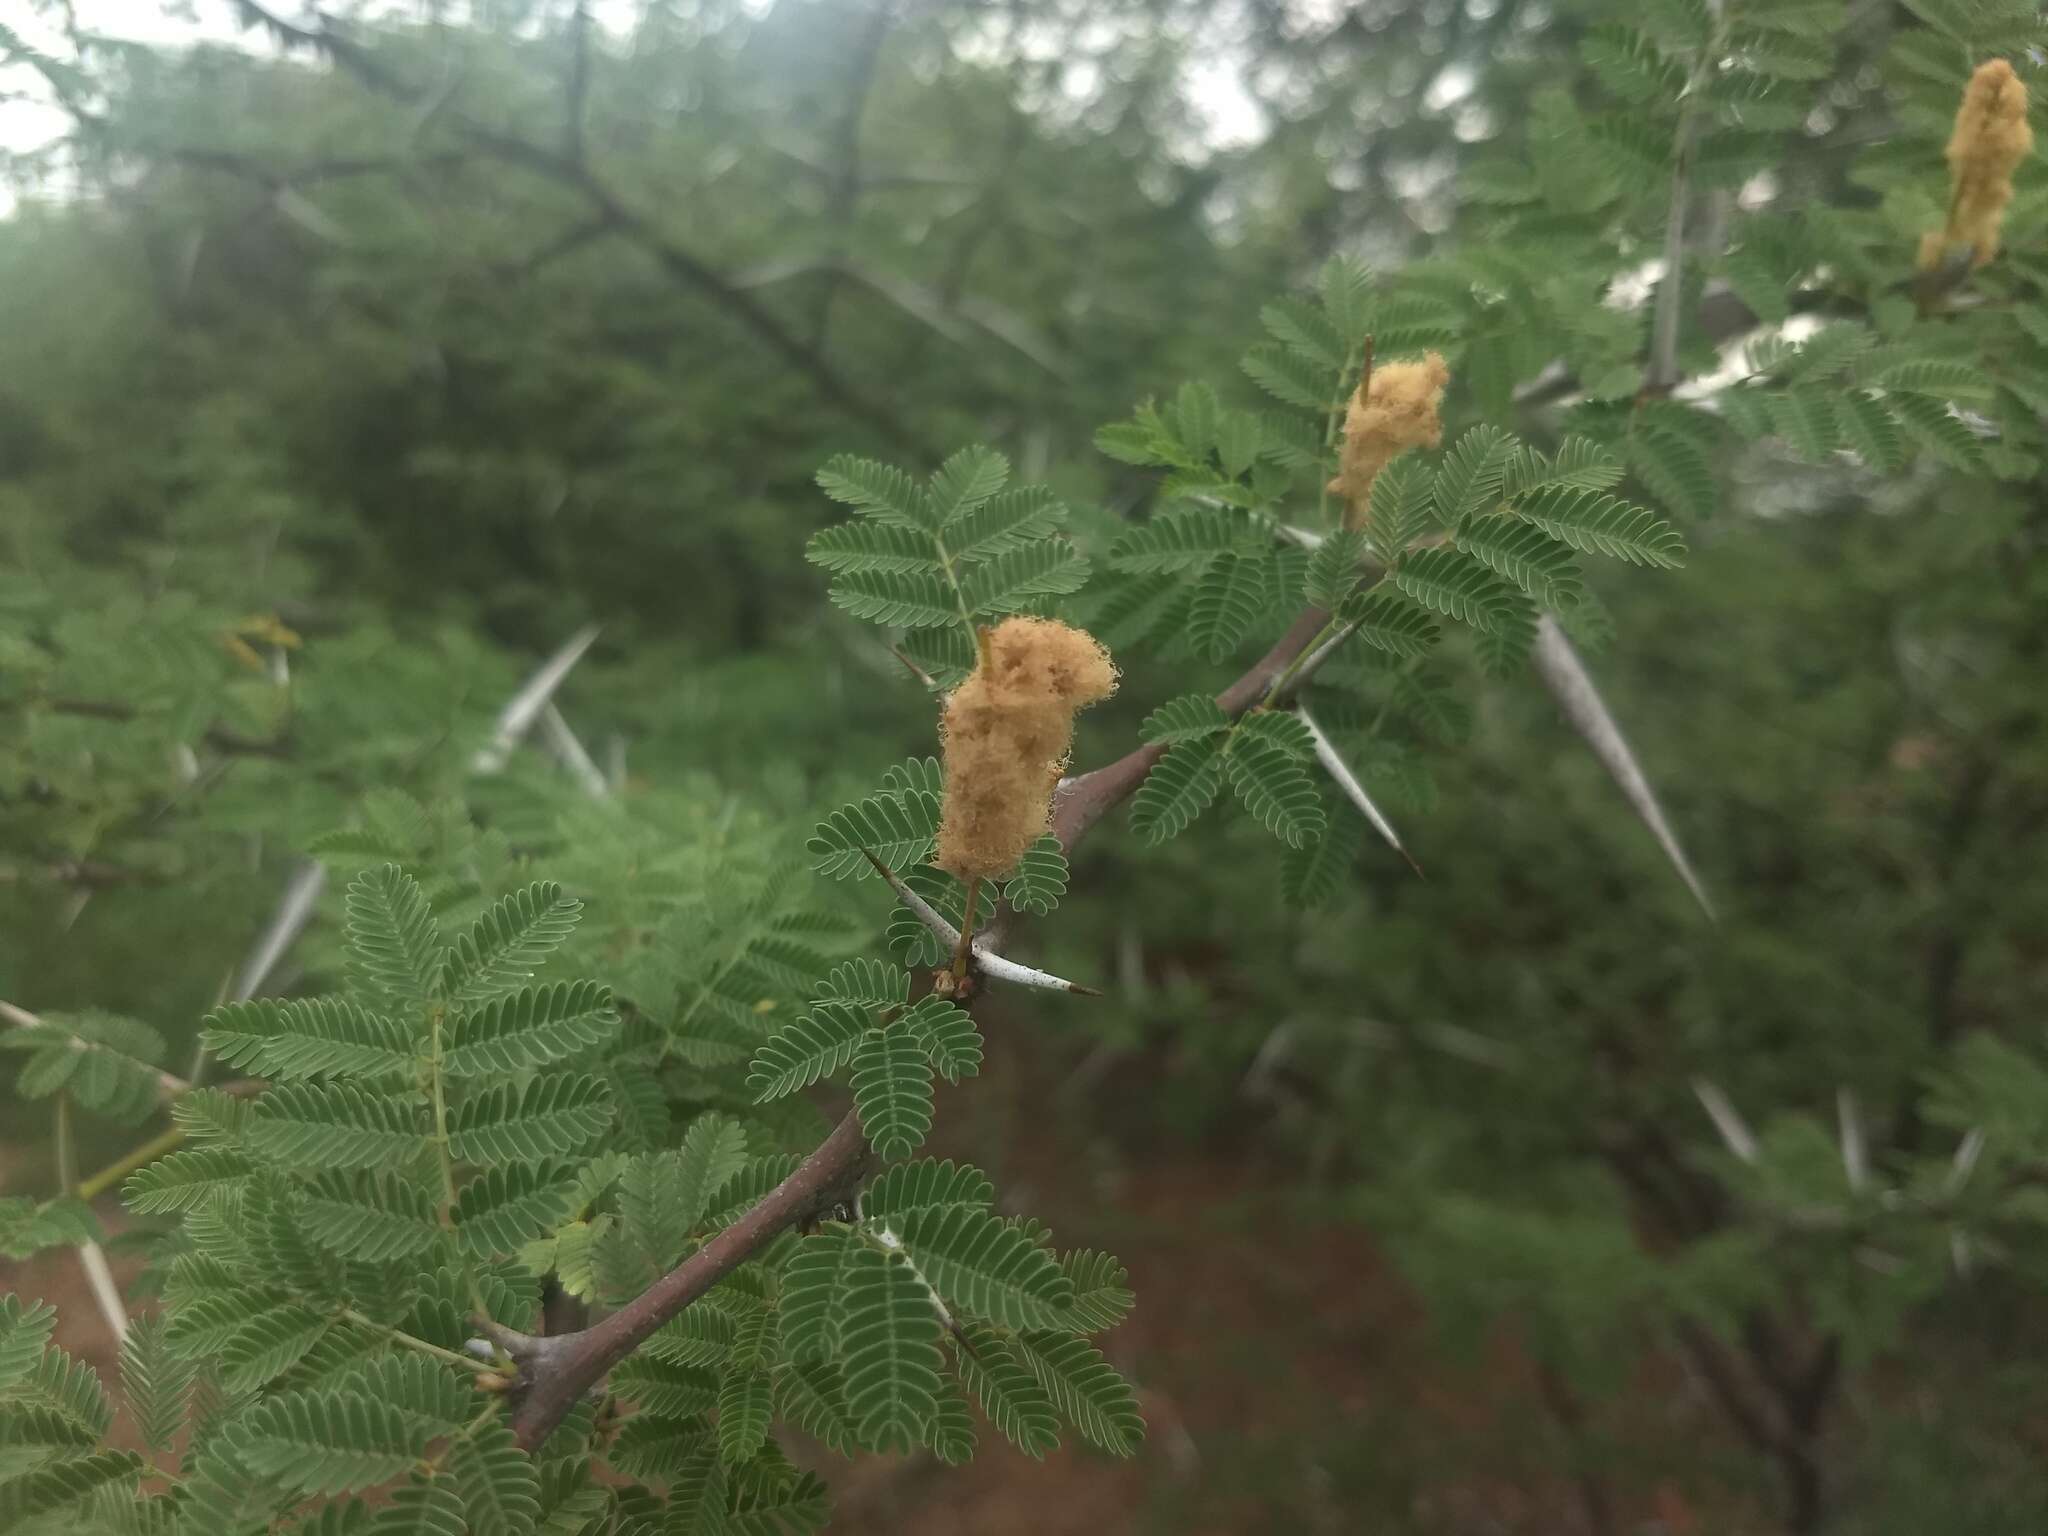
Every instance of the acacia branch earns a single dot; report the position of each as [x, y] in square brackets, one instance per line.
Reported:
[555, 1372]
[574, 173]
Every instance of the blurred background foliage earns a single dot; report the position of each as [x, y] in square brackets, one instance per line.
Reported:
[332, 399]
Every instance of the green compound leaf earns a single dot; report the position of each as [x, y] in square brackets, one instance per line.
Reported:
[948, 1036]
[993, 1369]
[809, 1047]
[1387, 621]
[1527, 555]
[1087, 1390]
[892, 1091]
[988, 1268]
[915, 1186]
[306, 1125]
[394, 945]
[1187, 718]
[1102, 1293]
[369, 1218]
[1229, 599]
[553, 1116]
[512, 939]
[880, 491]
[533, 1027]
[1400, 506]
[1179, 788]
[813, 1285]
[1604, 525]
[892, 1359]
[1268, 767]
[183, 1181]
[1040, 879]
[1453, 583]
[328, 1442]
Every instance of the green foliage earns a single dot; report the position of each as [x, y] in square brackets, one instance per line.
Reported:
[892, 1090]
[236, 492]
[891, 1346]
[957, 548]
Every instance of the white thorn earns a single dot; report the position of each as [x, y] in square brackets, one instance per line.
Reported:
[991, 964]
[1338, 769]
[1558, 664]
[1855, 1156]
[1966, 1160]
[562, 741]
[1741, 1141]
[287, 922]
[99, 1278]
[524, 707]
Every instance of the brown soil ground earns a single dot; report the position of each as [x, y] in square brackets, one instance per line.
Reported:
[1288, 1375]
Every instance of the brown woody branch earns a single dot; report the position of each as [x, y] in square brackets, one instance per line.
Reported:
[555, 1372]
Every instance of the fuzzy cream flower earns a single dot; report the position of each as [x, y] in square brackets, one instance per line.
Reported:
[1397, 409]
[1008, 729]
[1990, 140]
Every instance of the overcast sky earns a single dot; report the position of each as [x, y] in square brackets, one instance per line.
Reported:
[1214, 82]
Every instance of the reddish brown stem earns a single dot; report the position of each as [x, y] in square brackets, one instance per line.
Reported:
[555, 1372]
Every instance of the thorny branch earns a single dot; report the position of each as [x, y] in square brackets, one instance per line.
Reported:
[555, 1372]
[573, 172]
